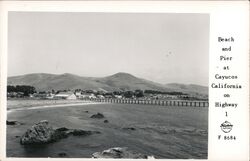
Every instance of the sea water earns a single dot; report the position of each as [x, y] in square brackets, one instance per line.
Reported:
[159, 131]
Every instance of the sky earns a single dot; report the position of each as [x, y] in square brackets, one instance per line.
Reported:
[161, 47]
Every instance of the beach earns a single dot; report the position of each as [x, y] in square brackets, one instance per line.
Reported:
[31, 103]
[162, 132]
[17, 105]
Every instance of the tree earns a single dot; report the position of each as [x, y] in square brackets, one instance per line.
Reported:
[25, 89]
[11, 88]
[128, 94]
[139, 93]
[117, 92]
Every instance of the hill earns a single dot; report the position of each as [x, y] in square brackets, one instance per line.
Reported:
[188, 88]
[118, 81]
[44, 82]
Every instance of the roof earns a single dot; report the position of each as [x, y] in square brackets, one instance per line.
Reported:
[64, 94]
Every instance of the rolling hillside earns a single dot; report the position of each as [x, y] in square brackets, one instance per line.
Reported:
[43, 82]
[118, 81]
[187, 88]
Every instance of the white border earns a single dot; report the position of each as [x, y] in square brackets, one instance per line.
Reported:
[226, 18]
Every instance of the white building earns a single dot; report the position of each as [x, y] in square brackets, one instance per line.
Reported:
[78, 94]
[65, 95]
[118, 96]
[100, 96]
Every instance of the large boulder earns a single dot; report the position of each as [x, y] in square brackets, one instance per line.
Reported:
[79, 132]
[119, 152]
[13, 123]
[97, 116]
[43, 133]
[39, 133]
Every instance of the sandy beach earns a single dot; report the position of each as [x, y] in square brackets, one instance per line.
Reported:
[17, 105]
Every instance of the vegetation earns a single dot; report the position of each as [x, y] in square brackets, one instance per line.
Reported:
[26, 90]
[160, 92]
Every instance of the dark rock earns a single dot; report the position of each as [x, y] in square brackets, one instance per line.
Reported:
[87, 111]
[119, 152]
[62, 154]
[13, 123]
[17, 136]
[78, 132]
[43, 133]
[62, 129]
[59, 135]
[129, 128]
[97, 116]
[39, 133]
[106, 121]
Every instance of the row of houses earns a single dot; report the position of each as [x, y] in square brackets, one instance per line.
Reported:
[69, 95]
[61, 95]
[78, 95]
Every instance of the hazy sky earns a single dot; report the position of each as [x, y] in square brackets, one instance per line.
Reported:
[165, 48]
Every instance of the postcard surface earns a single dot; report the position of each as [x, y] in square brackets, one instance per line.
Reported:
[83, 80]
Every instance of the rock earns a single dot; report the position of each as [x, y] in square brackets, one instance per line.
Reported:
[60, 134]
[62, 129]
[87, 111]
[13, 123]
[119, 152]
[62, 154]
[106, 121]
[97, 116]
[129, 128]
[43, 133]
[78, 132]
[39, 133]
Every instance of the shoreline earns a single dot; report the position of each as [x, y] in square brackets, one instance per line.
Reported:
[17, 105]
[52, 106]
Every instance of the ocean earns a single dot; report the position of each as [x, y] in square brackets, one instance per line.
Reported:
[160, 131]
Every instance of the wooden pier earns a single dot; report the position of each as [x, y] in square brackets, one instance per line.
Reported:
[154, 102]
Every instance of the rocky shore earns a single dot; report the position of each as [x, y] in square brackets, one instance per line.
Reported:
[119, 152]
[43, 133]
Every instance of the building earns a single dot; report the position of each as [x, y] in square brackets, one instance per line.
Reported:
[65, 95]
[78, 94]
[118, 96]
[100, 96]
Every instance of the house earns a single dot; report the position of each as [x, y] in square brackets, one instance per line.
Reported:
[65, 95]
[15, 94]
[50, 96]
[78, 94]
[100, 96]
[92, 96]
[118, 96]
[86, 96]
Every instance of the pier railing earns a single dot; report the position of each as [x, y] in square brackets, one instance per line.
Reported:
[153, 102]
